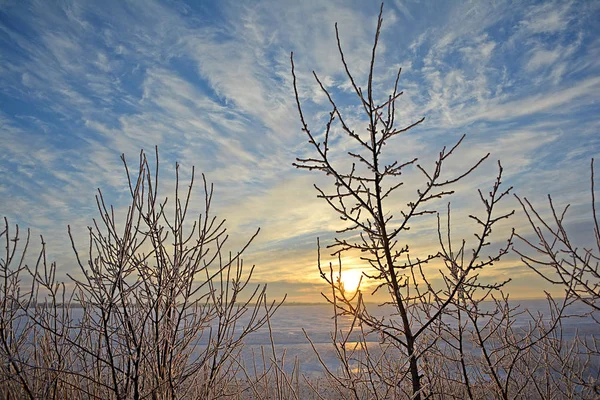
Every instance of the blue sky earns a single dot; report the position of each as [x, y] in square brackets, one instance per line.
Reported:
[209, 82]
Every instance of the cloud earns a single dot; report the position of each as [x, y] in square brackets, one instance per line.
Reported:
[543, 102]
[82, 82]
[403, 9]
[542, 58]
[547, 18]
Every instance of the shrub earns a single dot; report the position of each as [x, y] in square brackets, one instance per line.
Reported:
[158, 309]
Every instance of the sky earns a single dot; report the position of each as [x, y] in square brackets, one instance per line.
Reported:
[209, 83]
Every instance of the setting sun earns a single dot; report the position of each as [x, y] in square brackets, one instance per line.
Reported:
[351, 279]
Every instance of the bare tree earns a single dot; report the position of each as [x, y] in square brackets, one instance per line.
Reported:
[360, 194]
[561, 262]
[158, 310]
[15, 378]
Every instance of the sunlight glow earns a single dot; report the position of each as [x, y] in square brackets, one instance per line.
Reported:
[350, 279]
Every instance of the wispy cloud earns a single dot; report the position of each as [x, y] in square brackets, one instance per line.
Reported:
[82, 82]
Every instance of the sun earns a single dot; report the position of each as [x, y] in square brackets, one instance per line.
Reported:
[351, 279]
